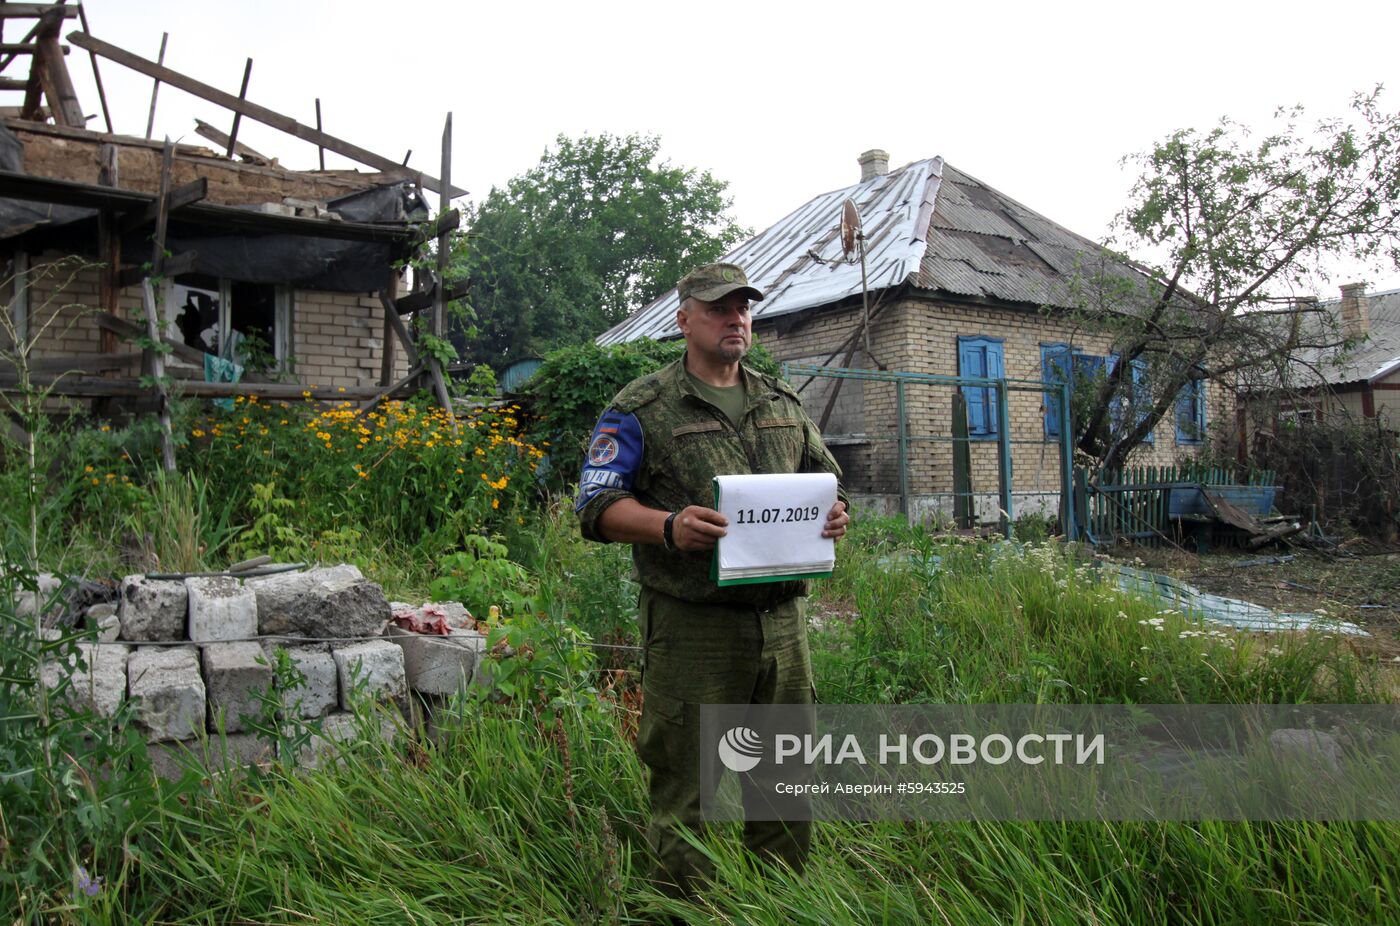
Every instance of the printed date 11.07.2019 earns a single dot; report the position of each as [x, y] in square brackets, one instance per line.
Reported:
[776, 515]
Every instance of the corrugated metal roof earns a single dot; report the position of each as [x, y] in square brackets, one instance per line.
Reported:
[1374, 358]
[1016, 254]
[895, 210]
[927, 224]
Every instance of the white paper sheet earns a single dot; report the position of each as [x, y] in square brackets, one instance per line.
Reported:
[775, 526]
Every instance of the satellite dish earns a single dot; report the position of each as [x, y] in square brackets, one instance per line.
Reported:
[850, 228]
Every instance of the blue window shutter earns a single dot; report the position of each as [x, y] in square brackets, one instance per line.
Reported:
[1142, 395]
[1056, 368]
[1201, 408]
[980, 357]
[1191, 412]
[972, 361]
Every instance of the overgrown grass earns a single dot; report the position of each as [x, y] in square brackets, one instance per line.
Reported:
[950, 621]
[501, 822]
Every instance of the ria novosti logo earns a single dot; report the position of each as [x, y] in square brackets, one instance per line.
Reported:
[740, 749]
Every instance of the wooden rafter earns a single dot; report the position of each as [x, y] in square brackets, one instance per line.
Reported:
[252, 110]
[53, 71]
[224, 140]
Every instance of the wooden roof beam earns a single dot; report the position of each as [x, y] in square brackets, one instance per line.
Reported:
[35, 10]
[14, 11]
[24, 48]
[222, 139]
[252, 110]
[53, 72]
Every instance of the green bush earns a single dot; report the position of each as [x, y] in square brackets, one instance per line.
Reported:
[573, 386]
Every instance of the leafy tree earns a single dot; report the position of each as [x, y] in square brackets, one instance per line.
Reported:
[1241, 225]
[598, 228]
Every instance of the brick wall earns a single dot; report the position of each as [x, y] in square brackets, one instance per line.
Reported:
[62, 295]
[918, 336]
[338, 339]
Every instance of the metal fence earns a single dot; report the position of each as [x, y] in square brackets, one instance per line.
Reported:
[957, 450]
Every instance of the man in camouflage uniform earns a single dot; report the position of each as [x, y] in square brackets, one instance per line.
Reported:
[648, 481]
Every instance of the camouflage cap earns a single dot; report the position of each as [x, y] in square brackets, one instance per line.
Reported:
[711, 282]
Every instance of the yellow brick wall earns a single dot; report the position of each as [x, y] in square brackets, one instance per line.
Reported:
[62, 297]
[917, 336]
[338, 339]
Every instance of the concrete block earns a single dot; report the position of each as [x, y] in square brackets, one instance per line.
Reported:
[321, 691]
[103, 618]
[376, 665]
[153, 609]
[211, 755]
[171, 691]
[28, 602]
[100, 686]
[234, 678]
[332, 601]
[221, 608]
[434, 664]
[338, 730]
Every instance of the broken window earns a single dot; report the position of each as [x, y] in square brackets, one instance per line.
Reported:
[249, 323]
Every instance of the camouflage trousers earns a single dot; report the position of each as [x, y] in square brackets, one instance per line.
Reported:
[716, 654]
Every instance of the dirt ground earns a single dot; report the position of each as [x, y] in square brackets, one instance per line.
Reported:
[1358, 583]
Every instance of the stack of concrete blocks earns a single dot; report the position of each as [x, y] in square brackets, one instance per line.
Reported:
[439, 666]
[199, 651]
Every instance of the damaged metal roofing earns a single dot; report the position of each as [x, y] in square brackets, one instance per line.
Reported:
[1373, 359]
[927, 225]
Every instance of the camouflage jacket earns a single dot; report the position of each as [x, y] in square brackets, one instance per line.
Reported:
[662, 444]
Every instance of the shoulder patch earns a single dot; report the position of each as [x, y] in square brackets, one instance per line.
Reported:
[614, 456]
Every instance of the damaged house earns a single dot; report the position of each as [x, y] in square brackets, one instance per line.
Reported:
[261, 280]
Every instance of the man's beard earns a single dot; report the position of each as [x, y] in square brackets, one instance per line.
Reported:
[732, 354]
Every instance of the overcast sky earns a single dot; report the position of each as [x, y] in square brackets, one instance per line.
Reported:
[1038, 100]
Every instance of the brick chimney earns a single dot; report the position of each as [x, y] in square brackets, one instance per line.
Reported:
[1355, 317]
[873, 163]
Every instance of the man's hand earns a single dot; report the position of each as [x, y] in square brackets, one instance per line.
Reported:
[697, 528]
[836, 521]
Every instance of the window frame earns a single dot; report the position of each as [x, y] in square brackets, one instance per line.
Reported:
[990, 427]
[282, 301]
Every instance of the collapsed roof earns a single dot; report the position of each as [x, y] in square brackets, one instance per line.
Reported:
[235, 213]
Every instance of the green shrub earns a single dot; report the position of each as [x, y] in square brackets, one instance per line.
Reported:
[573, 386]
